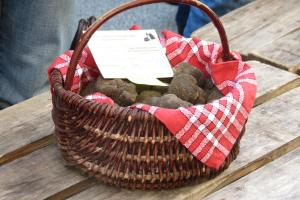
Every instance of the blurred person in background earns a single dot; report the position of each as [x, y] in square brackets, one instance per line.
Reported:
[32, 34]
[190, 18]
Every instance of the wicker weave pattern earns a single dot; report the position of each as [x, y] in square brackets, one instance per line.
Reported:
[121, 146]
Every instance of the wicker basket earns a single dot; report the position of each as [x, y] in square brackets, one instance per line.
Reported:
[123, 146]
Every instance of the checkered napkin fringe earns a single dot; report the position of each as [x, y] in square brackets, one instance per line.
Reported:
[208, 131]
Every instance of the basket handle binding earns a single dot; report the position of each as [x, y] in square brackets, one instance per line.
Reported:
[100, 21]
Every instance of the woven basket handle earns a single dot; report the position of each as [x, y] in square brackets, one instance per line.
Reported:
[93, 28]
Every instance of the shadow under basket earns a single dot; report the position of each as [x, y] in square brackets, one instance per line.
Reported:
[122, 146]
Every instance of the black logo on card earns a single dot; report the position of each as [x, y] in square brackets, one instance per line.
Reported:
[149, 37]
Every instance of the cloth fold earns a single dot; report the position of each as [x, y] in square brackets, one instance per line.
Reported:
[208, 131]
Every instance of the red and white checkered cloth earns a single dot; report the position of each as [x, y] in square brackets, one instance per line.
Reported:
[208, 131]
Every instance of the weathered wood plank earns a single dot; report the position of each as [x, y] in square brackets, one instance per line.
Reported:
[26, 149]
[36, 176]
[271, 81]
[269, 135]
[26, 127]
[23, 124]
[279, 179]
[283, 52]
[50, 164]
[45, 168]
[257, 24]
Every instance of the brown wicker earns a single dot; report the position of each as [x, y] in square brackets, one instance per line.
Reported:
[121, 146]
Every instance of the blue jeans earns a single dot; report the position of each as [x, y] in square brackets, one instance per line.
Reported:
[32, 34]
[196, 18]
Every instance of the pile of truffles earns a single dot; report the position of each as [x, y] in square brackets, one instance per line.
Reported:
[188, 87]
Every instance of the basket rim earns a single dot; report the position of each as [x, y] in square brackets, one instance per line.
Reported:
[72, 98]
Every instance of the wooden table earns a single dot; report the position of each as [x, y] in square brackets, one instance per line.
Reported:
[265, 30]
[31, 167]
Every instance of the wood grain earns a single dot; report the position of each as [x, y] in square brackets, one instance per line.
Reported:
[271, 81]
[26, 149]
[76, 188]
[270, 134]
[25, 123]
[36, 176]
[44, 166]
[27, 126]
[277, 180]
[283, 52]
[258, 24]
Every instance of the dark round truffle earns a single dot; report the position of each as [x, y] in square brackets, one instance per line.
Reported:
[208, 84]
[122, 92]
[185, 68]
[147, 94]
[185, 87]
[168, 101]
[88, 89]
[214, 94]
